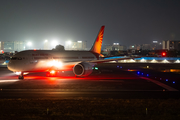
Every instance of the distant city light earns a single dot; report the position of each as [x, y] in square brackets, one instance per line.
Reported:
[54, 43]
[29, 43]
[69, 42]
[155, 41]
[46, 41]
[79, 41]
[115, 43]
[2, 51]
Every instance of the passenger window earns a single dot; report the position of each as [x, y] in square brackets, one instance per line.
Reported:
[19, 58]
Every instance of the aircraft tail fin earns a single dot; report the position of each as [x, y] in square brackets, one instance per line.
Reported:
[98, 42]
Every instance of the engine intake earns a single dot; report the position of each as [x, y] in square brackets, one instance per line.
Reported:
[82, 69]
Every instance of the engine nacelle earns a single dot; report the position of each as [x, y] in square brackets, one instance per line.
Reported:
[83, 69]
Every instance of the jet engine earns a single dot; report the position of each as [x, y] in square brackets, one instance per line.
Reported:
[83, 69]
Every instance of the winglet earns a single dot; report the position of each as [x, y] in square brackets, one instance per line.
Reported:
[98, 43]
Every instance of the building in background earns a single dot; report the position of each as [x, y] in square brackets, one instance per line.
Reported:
[171, 45]
[12, 46]
[156, 45]
[79, 45]
[115, 47]
[146, 47]
[134, 47]
[19, 45]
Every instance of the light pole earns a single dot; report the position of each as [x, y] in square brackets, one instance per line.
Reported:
[29, 44]
[54, 43]
[46, 45]
[69, 44]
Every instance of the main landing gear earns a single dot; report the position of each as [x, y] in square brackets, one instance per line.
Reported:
[51, 73]
[21, 76]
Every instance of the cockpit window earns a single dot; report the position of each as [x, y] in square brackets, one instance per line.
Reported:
[16, 58]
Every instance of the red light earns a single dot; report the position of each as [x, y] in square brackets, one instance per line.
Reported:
[163, 54]
[52, 72]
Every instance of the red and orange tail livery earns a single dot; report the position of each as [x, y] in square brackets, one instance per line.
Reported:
[98, 43]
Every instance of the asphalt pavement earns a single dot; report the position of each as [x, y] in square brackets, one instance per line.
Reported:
[109, 81]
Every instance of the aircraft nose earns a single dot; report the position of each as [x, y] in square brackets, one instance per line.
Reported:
[11, 66]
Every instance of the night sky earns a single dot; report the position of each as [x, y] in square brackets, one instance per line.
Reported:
[126, 21]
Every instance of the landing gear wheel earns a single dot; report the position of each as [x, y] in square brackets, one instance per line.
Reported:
[48, 74]
[21, 77]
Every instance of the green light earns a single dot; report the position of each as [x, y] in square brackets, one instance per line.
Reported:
[96, 68]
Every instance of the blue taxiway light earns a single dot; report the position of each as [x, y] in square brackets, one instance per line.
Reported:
[147, 74]
[121, 67]
[142, 73]
[117, 66]
[166, 79]
[174, 82]
[138, 72]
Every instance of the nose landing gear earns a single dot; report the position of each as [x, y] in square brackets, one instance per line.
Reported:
[21, 76]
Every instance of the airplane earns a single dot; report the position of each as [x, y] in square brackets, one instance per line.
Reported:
[52, 61]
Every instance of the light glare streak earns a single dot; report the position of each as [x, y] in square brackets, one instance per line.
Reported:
[8, 80]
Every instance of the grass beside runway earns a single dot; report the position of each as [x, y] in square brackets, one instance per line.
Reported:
[85, 108]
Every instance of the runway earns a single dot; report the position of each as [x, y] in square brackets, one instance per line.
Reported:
[111, 82]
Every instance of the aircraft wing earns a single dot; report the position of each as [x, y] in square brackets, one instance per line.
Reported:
[114, 59]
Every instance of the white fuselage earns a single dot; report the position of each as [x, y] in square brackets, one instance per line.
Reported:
[42, 60]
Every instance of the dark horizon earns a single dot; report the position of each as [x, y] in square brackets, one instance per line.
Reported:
[126, 22]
